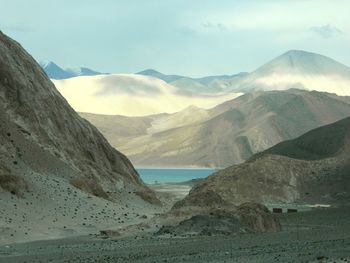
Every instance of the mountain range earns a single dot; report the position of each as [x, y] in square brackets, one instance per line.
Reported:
[311, 169]
[203, 84]
[54, 71]
[154, 92]
[227, 134]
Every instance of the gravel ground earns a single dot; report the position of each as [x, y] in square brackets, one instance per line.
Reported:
[315, 236]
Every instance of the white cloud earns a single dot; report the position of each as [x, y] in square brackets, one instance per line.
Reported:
[272, 15]
[326, 31]
[211, 25]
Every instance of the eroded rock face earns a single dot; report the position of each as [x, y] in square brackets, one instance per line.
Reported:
[39, 131]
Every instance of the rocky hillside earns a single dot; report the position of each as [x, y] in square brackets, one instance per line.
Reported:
[48, 152]
[227, 134]
[313, 168]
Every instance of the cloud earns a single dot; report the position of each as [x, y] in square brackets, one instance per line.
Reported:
[326, 31]
[211, 25]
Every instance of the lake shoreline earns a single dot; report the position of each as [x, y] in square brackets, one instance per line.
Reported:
[179, 167]
[179, 175]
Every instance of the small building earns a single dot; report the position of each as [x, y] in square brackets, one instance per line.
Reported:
[277, 210]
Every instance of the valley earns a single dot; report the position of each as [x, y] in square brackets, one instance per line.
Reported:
[239, 151]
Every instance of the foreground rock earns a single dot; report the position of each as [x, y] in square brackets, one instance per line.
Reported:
[314, 168]
[54, 166]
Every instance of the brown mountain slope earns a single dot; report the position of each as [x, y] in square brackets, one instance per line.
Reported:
[314, 168]
[48, 153]
[227, 134]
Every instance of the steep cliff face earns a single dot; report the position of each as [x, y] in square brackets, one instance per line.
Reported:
[40, 132]
[314, 168]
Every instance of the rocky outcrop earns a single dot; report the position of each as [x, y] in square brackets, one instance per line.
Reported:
[224, 220]
[313, 168]
[258, 217]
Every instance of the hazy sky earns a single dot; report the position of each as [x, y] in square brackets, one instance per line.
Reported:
[190, 37]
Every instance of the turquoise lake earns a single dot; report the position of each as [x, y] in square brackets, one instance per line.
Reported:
[149, 175]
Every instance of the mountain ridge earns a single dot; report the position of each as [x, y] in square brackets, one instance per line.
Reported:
[56, 72]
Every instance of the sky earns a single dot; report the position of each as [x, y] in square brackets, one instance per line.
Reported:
[189, 37]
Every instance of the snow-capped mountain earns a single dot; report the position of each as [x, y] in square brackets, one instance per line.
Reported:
[297, 69]
[56, 72]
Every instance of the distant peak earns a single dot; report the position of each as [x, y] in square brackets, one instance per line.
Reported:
[47, 63]
[149, 71]
[296, 51]
[302, 61]
[56, 72]
[191, 108]
[299, 53]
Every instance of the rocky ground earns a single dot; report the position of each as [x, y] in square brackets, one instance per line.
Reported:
[321, 235]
